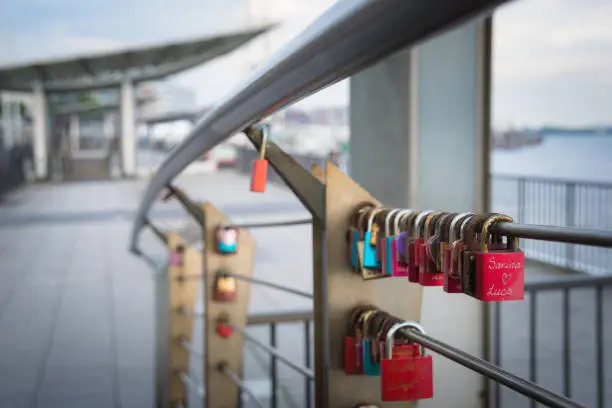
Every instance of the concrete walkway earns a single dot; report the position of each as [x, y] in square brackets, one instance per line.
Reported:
[76, 309]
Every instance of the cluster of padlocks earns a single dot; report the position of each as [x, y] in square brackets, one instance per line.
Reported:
[226, 243]
[433, 248]
[376, 346]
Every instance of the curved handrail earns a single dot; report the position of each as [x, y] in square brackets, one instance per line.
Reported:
[350, 36]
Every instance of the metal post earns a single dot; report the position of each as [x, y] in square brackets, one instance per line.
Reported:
[273, 366]
[160, 280]
[570, 220]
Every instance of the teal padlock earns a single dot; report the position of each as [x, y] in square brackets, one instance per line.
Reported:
[370, 239]
[369, 366]
[355, 234]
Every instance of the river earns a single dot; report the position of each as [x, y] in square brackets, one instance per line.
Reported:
[584, 158]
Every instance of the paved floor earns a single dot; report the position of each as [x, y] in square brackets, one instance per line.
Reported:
[76, 309]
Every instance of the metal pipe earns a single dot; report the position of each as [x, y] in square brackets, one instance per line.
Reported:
[555, 234]
[262, 318]
[270, 285]
[483, 367]
[187, 346]
[274, 224]
[190, 383]
[223, 368]
[257, 281]
[567, 367]
[349, 37]
[158, 233]
[273, 366]
[599, 347]
[533, 326]
[272, 351]
[190, 206]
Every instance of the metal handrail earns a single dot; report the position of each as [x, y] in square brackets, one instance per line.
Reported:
[350, 36]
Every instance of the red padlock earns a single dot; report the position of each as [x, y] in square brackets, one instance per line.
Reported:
[451, 251]
[497, 275]
[414, 246]
[428, 270]
[405, 378]
[259, 175]
[224, 329]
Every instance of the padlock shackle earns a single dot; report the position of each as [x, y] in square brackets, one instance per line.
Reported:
[363, 216]
[358, 213]
[399, 218]
[372, 215]
[388, 218]
[430, 218]
[265, 130]
[486, 226]
[444, 221]
[418, 221]
[391, 336]
[452, 233]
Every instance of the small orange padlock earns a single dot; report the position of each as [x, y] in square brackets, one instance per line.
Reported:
[259, 176]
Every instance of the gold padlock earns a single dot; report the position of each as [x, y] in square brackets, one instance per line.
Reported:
[225, 288]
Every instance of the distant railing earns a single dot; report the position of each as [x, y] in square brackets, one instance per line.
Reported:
[545, 332]
[564, 203]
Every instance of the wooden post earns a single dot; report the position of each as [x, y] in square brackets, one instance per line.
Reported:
[181, 297]
[346, 289]
[221, 391]
[337, 288]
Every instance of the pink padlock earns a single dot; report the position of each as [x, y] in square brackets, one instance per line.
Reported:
[176, 257]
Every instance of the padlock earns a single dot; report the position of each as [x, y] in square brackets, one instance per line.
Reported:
[259, 175]
[439, 241]
[226, 237]
[401, 347]
[493, 276]
[367, 272]
[224, 329]
[369, 365]
[369, 238]
[352, 342]
[176, 257]
[378, 234]
[405, 378]
[413, 246]
[403, 225]
[355, 234]
[225, 288]
[387, 243]
[452, 281]
[429, 275]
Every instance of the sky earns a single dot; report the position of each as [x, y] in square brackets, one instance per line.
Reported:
[552, 58]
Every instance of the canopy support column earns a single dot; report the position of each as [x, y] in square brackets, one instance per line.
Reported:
[128, 129]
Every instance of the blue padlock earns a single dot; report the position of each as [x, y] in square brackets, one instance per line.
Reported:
[369, 366]
[227, 239]
[369, 247]
[355, 234]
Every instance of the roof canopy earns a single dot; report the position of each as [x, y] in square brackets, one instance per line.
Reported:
[108, 69]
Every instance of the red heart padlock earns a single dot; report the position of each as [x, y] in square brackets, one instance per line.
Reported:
[224, 329]
[405, 378]
[493, 276]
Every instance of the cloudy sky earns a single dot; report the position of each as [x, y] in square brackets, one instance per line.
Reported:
[552, 61]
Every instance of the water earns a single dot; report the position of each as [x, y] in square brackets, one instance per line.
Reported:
[585, 158]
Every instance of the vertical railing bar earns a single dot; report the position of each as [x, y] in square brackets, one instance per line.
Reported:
[599, 348]
[273, 367]
[532, 340]
[497, 351]
[570, 205]
[307, 358]
[567, 373]
[521, 200]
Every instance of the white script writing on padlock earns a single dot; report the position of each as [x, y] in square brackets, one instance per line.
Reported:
[504, 265]
[495, 291]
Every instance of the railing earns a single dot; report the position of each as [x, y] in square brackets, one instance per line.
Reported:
[351, 36]
[556, 337]
[549, 201]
